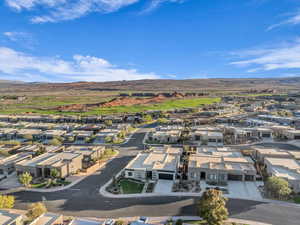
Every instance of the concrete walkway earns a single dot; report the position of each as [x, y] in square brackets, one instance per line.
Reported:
[163, 186]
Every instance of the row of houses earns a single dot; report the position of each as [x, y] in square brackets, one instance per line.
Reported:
[210, 136]
[211, 164]
[78, 136]
[59, 119]
[66, 161]
[280, 163]
[239, 135]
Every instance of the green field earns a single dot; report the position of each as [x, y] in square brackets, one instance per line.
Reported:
[41, 106]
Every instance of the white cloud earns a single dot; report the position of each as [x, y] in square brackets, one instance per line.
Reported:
[286, 56]
[18, 65]
[62, 10]
[293, 20]
[24, 39]
[154, 4]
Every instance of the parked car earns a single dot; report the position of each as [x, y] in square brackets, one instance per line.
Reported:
[109, 222]
[143, 219]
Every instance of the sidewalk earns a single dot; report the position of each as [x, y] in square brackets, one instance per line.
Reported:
[103, 192]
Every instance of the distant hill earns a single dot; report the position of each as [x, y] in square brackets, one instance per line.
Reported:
[158, 85]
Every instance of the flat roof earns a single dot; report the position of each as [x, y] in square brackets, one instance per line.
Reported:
[291, 164]
[168, 149]
[14, 158]
[29, 148]
[7, 217]
[54, 132]
[209, 133]
[51, 159]
[272, 151]
[29, 131]
[47, 219]
[154, 161]
[221, 163]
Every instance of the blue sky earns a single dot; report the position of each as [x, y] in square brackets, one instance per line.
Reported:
[101, 40]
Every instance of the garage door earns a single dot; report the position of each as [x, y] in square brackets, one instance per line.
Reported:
[235, 177]
[165, 176]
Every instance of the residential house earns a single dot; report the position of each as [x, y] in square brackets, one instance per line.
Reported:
[260, 153]
[23, 134]
[153, 166]
[286, 168]
[292, 134]
[219, 165]
[8, 133]
[49, 135]
[208, 138]
[220, 169]
[66, 163]
[7, 164]
[90, 154]
[165, 137]
[32, 149]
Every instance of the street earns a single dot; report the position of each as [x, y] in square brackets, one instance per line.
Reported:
[84, 200]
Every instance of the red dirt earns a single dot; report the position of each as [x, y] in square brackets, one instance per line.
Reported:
[123, 101]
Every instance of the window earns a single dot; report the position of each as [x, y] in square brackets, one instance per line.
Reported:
[193, 175]
[129, 174]
[212, 176]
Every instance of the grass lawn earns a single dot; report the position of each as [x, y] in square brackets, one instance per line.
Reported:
[297, 199]
[42, 105]
[131, 187]
[40, 185]
[167, 105]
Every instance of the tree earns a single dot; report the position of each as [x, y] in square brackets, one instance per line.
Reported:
[7, 201]
[108, 123]
[212, 207]
[35, 210]
[120, 222]
[108, 139]
[179, 222]
[162, 121]
[70, 139]
[277, 187]
[122, 134]
[54, 173]
[25, 179]
[55, 142]
[147, 118]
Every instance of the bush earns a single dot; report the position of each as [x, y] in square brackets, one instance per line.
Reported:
[277, 187]
[25, 179]
[35, 210]
[7, 201]
[179, 222]
[120, 222]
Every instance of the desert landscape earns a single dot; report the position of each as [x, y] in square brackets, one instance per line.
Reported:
[97, 98]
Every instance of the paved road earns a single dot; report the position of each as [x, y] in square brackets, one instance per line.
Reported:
[84, 200]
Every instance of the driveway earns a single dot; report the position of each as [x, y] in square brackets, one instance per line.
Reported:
[245, 190]
[163, 186]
